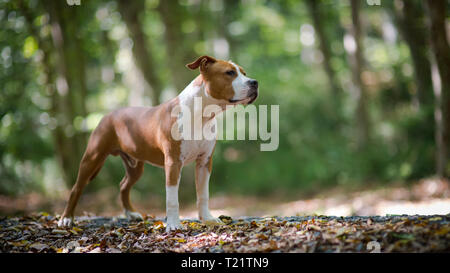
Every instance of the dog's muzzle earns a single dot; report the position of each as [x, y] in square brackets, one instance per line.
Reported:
[253, 92]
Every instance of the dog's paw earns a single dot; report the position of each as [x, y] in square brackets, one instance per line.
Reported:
[133, 215]
[65, 222]
[173, 225]
[211, 221]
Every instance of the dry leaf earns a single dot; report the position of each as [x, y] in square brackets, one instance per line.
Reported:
[38, 246]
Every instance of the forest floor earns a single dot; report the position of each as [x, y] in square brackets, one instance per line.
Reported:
[39, 233]
[393, 219]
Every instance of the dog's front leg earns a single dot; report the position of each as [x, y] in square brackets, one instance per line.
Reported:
[173, 171]
[202, 173]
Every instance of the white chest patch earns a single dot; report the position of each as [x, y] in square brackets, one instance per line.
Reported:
[193, 149]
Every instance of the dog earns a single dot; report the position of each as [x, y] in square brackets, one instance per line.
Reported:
[144, 135]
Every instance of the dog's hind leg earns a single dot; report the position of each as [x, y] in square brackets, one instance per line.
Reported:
[202, 173]
[90, 165]
[134, 170]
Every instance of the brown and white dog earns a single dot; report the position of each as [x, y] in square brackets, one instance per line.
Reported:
[143, 135]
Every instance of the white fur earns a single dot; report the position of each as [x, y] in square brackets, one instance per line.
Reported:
[133, 215]
[194, 149]
[202, 192]
[240, 85]
[65, 222]
[172, 208]
[202, 187]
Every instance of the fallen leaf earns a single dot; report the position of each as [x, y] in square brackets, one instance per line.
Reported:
[72, 244]
[226, 219]
[20, 243]
[38, 246]
[60, 231]
[77, 229]
[158, 225]
[96, 250]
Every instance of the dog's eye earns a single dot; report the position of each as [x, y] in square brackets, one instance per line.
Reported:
[230, 72]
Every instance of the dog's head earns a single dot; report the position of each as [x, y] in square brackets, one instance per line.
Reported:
[226, 80]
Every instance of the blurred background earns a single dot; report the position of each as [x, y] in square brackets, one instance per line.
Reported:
[363, 89]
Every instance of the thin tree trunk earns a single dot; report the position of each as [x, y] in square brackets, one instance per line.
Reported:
[130, 12]
[441, 78]
[441, 145]
[409, 18]
[68, 102]
[230, 13]
[66, 150]
[318, 19]
[357, 62]
[171, 14]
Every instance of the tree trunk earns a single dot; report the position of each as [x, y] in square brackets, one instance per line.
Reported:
[409, 18]
[68, 100]
[231, 11]
[57, 133]
[171, 14]
[318, 19]
[356, 58]
[130, 12]
[441, 78]
[68, 149]
[441, 145]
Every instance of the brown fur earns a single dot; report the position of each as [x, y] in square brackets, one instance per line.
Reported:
[143, 134]
[138, 135]
[213, 72]
[218, 84]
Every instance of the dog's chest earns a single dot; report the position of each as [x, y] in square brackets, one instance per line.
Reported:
[193, 149]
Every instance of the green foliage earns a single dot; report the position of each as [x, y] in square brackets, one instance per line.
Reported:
[318, 145]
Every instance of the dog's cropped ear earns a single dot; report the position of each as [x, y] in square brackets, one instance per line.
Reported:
[203, 62]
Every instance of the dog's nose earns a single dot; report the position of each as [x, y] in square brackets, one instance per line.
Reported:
[253, 83]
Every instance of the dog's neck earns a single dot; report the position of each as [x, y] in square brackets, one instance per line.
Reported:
[197, 89]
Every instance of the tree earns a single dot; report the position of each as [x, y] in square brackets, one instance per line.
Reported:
[131, 12]
[355, 50]
[316, 13]
[231, 12]
[441, 77]
[172, 16]
[409, 18]
[66, 82]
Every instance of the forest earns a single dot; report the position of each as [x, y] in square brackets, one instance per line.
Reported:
[362, 89]
[362, 86]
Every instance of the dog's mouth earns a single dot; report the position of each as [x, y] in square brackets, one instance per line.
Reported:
[253, 97]
[248, 100]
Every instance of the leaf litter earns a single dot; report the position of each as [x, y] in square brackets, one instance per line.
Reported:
[392, 233]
